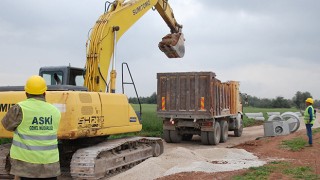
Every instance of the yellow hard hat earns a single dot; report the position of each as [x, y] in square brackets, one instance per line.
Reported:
[35, 85]
[309, 100]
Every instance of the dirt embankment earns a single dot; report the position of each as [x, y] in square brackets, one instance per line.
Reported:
[267, 149]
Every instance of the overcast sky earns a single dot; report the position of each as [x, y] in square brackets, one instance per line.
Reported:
[271, 46]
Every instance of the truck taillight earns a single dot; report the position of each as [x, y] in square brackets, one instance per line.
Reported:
[209, 123]
[169, 123]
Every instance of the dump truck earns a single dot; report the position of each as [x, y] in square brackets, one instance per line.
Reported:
[197, 103]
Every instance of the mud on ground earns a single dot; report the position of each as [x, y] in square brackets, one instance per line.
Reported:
[269, 149]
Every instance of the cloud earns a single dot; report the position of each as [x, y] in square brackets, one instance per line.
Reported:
[271, 47]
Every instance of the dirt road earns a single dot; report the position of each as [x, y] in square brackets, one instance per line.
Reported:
[192, 156]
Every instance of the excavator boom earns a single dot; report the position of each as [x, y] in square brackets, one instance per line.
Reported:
[111, 25]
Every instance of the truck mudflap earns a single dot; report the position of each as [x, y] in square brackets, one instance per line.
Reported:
[173, 45]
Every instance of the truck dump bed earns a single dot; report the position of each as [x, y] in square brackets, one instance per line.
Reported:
[200, 95]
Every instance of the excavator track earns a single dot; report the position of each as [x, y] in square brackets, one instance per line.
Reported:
[4, 161]
[112, 157]
[102, 160]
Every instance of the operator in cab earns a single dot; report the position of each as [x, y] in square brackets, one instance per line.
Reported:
[34, 151]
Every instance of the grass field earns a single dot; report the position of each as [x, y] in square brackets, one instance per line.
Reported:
[151, 124]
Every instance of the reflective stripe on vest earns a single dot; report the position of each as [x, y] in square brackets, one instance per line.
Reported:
[30, 137]
[35, 139]
[307, 115]
[34, 148]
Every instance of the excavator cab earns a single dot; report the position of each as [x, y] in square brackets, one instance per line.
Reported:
[173, 45]
[62, 75]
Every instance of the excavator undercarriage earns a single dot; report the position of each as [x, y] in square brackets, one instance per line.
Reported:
[102, 160]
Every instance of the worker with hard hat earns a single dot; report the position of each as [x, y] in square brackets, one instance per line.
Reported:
[34, 151]
[309, 118]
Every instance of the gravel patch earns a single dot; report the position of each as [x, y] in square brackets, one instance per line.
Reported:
[185, 160]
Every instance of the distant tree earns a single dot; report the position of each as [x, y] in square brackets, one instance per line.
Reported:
[152, 99]
[280, 102]
[144, 100]
[133, 100]
[264, 103]
[299, 99]
[316, 104]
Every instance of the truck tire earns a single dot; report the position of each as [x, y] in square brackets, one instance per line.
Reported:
[204, 138]
[238, 132]
[214, 137]
[211, 137]
[224, 131]
[166, 136]
[175, 137]
[187, 137]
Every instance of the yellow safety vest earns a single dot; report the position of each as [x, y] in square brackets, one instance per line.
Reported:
[307, 116]
[35, 139]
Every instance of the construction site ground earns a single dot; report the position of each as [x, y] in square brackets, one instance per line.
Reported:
[191, 160]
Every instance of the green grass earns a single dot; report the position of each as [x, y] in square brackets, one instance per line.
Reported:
[254, 173]
[295, 144]
[301, 172]
[5, 140]
[263, 172]
[315, 130]
[265, 110]
[151, 124]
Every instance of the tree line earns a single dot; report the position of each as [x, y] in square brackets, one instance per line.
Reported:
[144, 100]
[298, 101]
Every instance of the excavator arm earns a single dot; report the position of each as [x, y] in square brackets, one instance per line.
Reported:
[117, 19]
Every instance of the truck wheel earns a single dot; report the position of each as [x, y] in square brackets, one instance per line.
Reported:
[156, 148]
[238, 132]
[166, 136]
[204, 138]
[187, 137]
[175, 136]
[214, 137]
[224, 131]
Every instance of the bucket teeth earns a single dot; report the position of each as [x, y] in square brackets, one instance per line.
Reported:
[173, 45]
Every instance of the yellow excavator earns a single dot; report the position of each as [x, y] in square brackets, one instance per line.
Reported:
[90, 109]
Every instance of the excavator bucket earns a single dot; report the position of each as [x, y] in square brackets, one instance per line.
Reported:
[173, 45]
